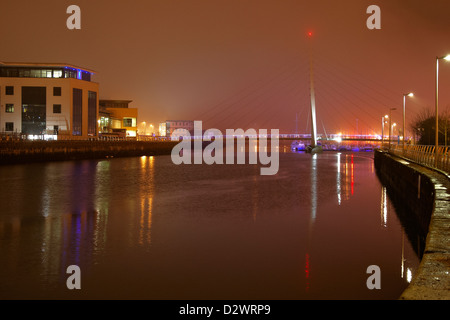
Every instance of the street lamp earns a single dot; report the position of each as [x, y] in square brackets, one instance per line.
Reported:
[390, 118]
[436, 154]
[404, 107]
[145, 127]
[383, 120]
[392, 128]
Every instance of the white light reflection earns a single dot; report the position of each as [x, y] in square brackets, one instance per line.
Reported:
[408, 275]
[403, 253]
[383, 207]
[408, 270]
[313, 187]
[46, 192]
[102, 185]
[313, 177]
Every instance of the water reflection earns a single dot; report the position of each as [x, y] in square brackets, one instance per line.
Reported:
[387, 208]
[255, 198]
[313, 188]
[156, 225]
[338, 178]
[384, 204]
[345, 179]
[146, 196]
[314, 199]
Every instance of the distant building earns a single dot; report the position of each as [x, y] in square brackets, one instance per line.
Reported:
[162, 129]
[48, 100]
[117, 118]
[172, 125]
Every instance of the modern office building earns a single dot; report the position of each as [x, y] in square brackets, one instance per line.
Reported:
[48, 99]
[117, 118]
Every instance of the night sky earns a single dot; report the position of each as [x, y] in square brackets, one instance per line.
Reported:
[245, 64]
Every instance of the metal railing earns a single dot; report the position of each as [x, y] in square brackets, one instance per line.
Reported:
[424, 155]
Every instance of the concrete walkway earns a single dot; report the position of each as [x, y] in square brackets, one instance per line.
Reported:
[432, 280]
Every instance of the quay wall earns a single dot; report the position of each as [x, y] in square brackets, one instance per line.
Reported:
[424, 195]
[17, 152]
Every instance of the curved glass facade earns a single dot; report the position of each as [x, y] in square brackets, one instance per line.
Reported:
[44, 72]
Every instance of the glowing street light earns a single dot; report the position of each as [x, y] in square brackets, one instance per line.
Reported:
[145, 127]
[436, 154]
[390, 127]
[404, 107]
[383, 120]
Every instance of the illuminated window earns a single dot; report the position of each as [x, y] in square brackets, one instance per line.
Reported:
[9, 90]
[9, 108]
[57, 73]
[24, 72]
[35, 73]
[104, 121]
[131, 133]
[127, 122]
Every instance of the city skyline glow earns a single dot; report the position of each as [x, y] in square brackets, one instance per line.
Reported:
[236, 65]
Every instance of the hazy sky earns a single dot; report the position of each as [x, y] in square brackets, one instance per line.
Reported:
[244, 63]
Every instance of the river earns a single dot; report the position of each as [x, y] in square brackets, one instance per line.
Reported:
[145, 228]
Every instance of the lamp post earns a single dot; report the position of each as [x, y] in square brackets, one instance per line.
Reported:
[404, 117]
[151, 129]
[383, 120]
[436, 154]
[390, 128]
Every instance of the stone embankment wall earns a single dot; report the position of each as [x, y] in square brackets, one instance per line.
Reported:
[425, 194]
[15, 152]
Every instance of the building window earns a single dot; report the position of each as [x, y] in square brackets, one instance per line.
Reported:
[57, 91]
[127, 122]
[9, 108]
[57, 73]
[56, 108]
[9, 126]
[9, 90]
[77, 99]
[92, 113]
[34, 110]
[24, 73]
[55, 130]
[86, 76]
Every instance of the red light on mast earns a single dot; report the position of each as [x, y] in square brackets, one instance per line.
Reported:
[310, 34]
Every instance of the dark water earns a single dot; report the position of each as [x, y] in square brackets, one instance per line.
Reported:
[144, 228]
